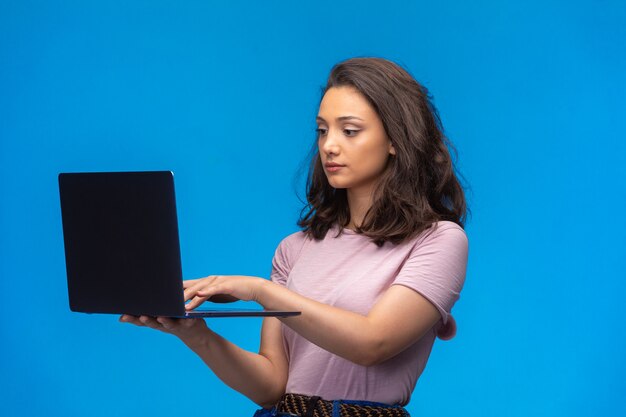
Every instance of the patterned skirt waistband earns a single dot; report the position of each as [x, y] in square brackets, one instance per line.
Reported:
[304, 406]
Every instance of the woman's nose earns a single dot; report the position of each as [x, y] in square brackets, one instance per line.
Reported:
[330, 144]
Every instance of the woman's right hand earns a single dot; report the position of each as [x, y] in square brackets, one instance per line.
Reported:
[190, 331]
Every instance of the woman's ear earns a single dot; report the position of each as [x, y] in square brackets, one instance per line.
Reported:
[392, 150]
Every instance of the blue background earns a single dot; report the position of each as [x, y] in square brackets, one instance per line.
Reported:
[225, 95]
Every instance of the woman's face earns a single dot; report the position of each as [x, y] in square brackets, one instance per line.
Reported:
[352, 142]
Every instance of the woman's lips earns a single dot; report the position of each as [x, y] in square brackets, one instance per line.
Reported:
[334, 167]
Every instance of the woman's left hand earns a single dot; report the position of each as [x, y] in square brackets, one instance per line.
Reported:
[190, 331]
[241, 287]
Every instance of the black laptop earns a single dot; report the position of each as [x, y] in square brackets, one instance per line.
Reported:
[122, 251]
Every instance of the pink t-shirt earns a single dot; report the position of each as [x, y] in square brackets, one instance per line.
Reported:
[351, 272]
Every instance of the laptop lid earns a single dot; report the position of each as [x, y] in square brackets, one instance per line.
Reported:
[122, 250]
[121, 242]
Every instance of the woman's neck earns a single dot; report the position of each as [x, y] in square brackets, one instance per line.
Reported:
[359, 202]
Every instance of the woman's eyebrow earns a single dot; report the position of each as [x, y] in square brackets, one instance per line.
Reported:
[340, 118]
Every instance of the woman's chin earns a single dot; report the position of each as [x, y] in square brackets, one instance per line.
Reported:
[336, 181]
[337, 185]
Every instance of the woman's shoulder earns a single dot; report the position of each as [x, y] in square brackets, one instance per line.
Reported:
[294, 238]
[443, 231]
[286, 254]
[444, 226]
[292, 243]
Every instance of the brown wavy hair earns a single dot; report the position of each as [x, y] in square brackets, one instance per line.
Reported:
[419, 185]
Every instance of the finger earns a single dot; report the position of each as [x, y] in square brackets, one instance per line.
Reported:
[150, 322]
[203, 283]
[127, 318]
[222, 289]
[193, 289]
[189, 282]
[195, 302]
[167, 323]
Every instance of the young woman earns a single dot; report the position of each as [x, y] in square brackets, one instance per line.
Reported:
[375, 271]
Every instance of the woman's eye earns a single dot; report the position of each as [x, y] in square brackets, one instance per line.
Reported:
[350, 132]
[320, 131]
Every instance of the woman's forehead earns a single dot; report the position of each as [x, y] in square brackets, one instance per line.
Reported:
[343, 102]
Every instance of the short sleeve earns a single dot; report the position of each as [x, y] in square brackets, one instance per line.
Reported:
[284, 257]
[436, 269]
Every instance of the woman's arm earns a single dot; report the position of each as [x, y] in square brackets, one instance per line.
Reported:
[400, 317]
[261, 377]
